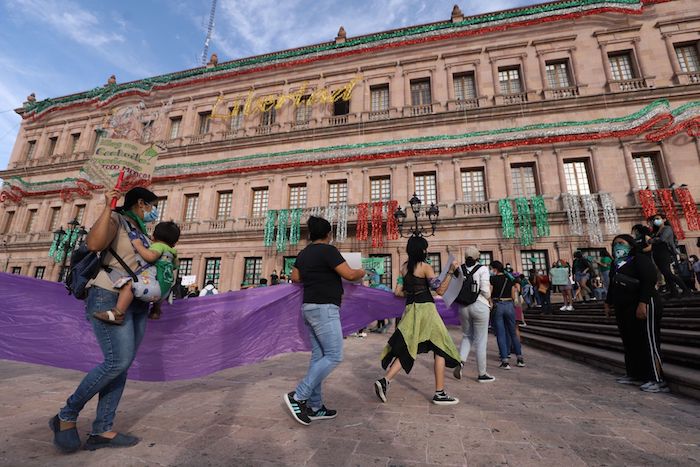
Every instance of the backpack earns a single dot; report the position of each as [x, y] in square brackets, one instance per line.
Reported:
[470, 288]
[209, 292]
[83, 267]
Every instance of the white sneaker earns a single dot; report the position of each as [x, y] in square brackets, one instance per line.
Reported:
[570, 308]
[563, 308]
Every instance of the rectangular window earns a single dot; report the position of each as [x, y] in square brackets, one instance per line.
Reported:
[55, 218]
[524, 182]
[175, 123]
[420, 92]
[473, 188]
[62, 273]
[204, 122]
[380, 189]
[260, 200]
[297, 196]
[185, 267]
[435, 261]
[509, 79]
[191, 206]
[576, 174]
[53, 142]
[621, 66]
[31, 220]
[465, 86]
[212, 271]
[223, 210]
[8, 221]
[338, 192]
[147, 132]
[341, 107]
[647, 170]
[688, 58]
[385, 278]
[426, 188]
[39, 272]
[162, 207]
[252, 270]
[99, 134]
[74, 140]
[16, 270]
[79, 213]
[379, 98]
[31, 147]
[303, 111]
[558, 75]
[236, 118]
[486, 257]
[534, 259]
[269, 116]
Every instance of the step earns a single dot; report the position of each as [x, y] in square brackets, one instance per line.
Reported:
[682, 380]
[677, 354]
[689, 324]
[598, 311]
[672, 336]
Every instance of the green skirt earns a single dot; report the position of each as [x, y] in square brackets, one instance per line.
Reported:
[420, 330]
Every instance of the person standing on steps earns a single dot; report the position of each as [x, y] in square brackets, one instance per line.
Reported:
[663, 250]
[503, 296]
[474, 310]
[638, 314]
[421, 328]
[319, 267]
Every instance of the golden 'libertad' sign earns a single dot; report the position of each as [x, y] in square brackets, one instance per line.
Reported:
[251, 105]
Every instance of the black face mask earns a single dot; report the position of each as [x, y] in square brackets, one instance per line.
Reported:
[470, 262]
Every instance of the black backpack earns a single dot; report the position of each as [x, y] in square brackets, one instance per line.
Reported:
[84, 266]
[470, 288]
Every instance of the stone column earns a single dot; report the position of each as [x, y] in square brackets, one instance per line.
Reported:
[507, 175]
[672, 54]
[606, 62]
[595, 169]
[494, 77]
[560, 170]
[457, 181]
[640, 62]
[543, 70]
[670, 172]
[409, 181]
[365, 186]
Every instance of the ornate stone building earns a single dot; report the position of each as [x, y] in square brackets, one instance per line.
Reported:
[579, 97]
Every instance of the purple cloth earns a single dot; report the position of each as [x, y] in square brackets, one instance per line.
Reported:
[40, 323]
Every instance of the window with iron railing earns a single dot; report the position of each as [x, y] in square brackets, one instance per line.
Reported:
[9, 217]
[162, 204]
[79, 213]
[268, 117]
[303, 111]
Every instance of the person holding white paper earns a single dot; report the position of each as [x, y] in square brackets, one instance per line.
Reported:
[421, 328]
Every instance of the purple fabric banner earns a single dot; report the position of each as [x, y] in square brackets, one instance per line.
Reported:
[40, 323]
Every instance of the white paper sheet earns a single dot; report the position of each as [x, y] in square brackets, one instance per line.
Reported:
[354, 260]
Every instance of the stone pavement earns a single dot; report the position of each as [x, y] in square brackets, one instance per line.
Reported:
[553, 412]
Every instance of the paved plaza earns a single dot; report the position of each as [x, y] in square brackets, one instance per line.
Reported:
[553, 412]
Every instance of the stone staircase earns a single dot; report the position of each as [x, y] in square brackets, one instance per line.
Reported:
[585, 334]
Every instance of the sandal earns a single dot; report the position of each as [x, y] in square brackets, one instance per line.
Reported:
[67, 440]
[95, 442]
[113, 316]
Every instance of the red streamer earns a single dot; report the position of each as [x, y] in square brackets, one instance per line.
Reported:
[392, 227]
[666, 197]
[362, 211]
[690, 209]
[377, 234]
[646, 199]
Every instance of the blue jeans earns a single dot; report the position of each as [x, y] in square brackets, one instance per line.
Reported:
[119, 345]
[323, 323]
[504, 327]
[605, 276]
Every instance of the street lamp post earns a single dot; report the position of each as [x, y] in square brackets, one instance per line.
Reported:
[65, 242]
[433, 213]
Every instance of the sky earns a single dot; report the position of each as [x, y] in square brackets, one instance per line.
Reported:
[59, 47]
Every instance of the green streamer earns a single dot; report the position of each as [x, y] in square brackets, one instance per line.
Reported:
[282, 219]
[541, 216]
[524, 222]
[269, 233]
[507, 222]
[52, 250]
[295, 226]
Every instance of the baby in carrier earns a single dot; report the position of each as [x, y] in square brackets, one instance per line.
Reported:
[153, 279]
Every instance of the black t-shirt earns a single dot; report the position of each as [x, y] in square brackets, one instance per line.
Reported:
[316, 264]
[501, 287]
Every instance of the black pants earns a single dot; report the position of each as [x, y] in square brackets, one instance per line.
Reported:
[641, 340]
[671, 279]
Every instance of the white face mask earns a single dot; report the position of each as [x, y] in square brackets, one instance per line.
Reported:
[658, 222]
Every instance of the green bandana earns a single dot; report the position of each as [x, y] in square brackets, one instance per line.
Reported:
[138, 220]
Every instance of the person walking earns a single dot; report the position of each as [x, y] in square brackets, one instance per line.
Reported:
[118, 344]
[421, 328]
[503, 296]
[561, 278]
[604, 265]
[319, 267]
[543, 286]
[663, 250]
[638, 313]
[582, 274]
[684, 268]
[474, 310]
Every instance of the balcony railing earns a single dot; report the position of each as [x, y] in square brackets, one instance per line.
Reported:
[423, 109]
[517, 98]
[561, 93]
[466, 208]
[631, 84]
[263, 130]
[378, 115]
[198, 139]
[467, 104]
[338, 120]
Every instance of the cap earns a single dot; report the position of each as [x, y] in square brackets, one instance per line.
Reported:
[473, 252]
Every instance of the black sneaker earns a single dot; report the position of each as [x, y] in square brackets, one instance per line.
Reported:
[440, 398]
[299, 410]
[458, 371]
[381, 386]
[504, 366]
[520, 363]
[485, 378]
[323, 414]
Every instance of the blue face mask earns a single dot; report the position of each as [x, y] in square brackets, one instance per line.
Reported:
[151, 216]
[621, 251]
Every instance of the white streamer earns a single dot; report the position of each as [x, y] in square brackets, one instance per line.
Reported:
[572, 207]
[612, 225]
[341, 231]
[590, 207]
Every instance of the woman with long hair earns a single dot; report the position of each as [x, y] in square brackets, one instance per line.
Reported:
[421, 329]
[638, 314]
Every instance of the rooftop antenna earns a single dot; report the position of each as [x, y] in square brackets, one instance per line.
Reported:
[210, 29]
